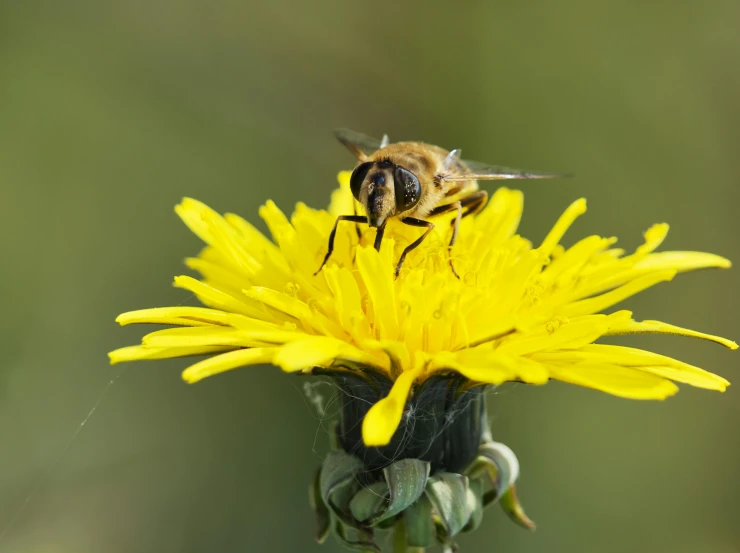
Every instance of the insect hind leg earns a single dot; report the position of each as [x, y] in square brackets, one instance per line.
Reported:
[468, 205]
[474, 203]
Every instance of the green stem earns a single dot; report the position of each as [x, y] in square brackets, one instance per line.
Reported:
[400, 544]
[399, 537]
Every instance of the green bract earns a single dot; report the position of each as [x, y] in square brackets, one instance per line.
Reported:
[420, 509]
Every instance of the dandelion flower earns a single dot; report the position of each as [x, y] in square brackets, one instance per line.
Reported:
[425, 342]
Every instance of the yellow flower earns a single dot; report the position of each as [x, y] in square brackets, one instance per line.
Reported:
[517, 312]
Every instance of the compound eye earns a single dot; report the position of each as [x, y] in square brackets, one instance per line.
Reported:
[407, 187]
[358, 177]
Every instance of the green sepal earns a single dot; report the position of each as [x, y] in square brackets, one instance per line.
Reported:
[511, 506]
[341, 500]
[340, 532]
[323, 520]
[448, 493]
[419, 523]
[369, 502]
[475, 505]
[502, 465]
[447, 544]
[337, 483]
[406, 481]
[337, 469]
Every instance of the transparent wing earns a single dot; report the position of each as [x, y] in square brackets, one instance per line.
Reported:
[359, 144]
[483, 171]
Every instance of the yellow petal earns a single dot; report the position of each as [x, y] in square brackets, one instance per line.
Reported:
[612, 379]
[654, 237]
[398, 354]
[280, 301]
[638, 359]
[215, 231]
[513, 282]
[618, 272]
[300, 259]
[484, 364]
[227, 241]
[377, 274]
[500, 218]
[312, 227]
[657, 327]
[320, 351]
[552, 239]
[698, 378]
[490, 330]
[191, 212]
[219, 336]
[348, 301]
[599, 303]
[137, 353]
[196, 336]
[217, 271]
[572, 334]
[682, 261]
[227, 362]
[259, 244]
[311, 319]
[574, 258]
[181, 315]
[645, 360]
[413, 310]
[383, 418]
[212, 296]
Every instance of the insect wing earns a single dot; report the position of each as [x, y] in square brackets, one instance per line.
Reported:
[359, 144]
[483, 171]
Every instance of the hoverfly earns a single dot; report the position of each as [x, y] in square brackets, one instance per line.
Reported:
[413, 181]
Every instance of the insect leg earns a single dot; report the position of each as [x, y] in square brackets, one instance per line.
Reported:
[455, 228]
[439, 210]
[333, 235]
[357, 228]
[379, 237]
[413, 223]
[474, 203]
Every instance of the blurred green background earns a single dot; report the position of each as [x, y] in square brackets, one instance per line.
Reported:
[110, 112]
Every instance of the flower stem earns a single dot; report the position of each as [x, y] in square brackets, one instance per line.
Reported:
[399, 537]
[400, 544]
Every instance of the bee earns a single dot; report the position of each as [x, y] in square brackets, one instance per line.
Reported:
[413, 181]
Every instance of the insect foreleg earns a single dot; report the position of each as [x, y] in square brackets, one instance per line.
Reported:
[357, 228]
[333, 235]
